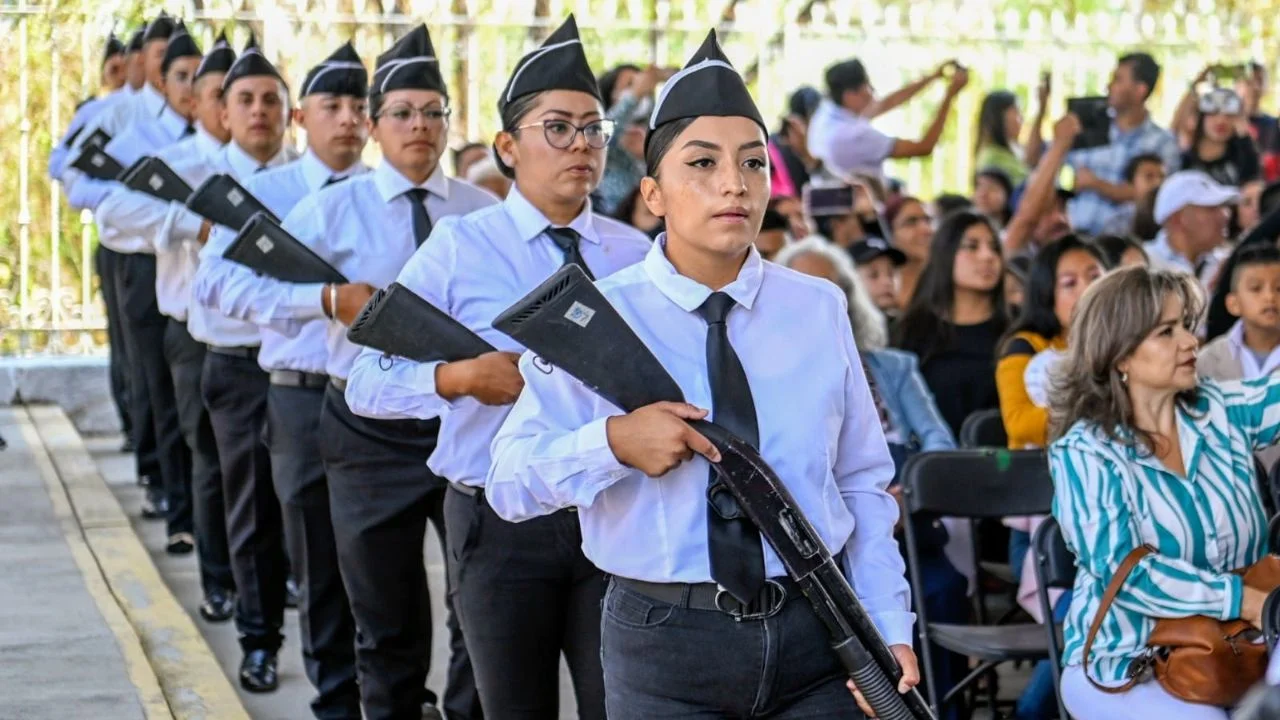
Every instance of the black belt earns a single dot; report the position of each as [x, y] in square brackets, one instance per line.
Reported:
[244, 352]
[467, 489]
[298, 379]
[338, 383]
[708, 596]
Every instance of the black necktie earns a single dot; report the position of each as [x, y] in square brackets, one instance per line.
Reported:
[567, 240]
[737, 557]
[333, 180]
[191, 130]
[421, 220]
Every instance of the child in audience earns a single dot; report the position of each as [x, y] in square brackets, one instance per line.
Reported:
[1251, 348]
[879, 265]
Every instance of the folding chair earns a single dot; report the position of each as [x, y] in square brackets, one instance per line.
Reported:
[1055, 568]
[1268, 484]
[974, 484]
[984, 428]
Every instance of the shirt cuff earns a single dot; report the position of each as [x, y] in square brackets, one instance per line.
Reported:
[896, 626]
[1234, 592]
[305, 300]
[187, 225]
[424, 381]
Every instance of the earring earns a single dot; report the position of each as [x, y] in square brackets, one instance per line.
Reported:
[1124, 378]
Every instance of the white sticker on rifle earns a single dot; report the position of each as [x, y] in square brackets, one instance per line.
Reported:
[579, 314]
[98, 161]
[156, 183]
[264, 244]
[235, 198]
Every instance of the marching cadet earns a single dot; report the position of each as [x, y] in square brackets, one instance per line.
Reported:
[144, 216]
[116, 62]
[169, 494]
[255, 104]
[333, 111]
[380, 490]
[524, 592]
[700, 619]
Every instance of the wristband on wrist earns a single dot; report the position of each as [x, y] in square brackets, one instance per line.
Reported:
[333, 301]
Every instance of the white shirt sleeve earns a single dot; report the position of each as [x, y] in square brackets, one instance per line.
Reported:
[133, 214]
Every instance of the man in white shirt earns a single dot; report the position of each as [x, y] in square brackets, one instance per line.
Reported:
[255, 105]
[116, 61]
[1192, 210]
[841, 134]
[381, 492]
[333, 114]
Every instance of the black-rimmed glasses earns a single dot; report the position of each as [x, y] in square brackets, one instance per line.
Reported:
[404, 114]
[560, 134]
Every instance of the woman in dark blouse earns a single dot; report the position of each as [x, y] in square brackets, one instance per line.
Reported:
[1221, 147]
[957, 316]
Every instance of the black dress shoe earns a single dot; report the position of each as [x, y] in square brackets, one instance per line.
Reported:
[258, 671]
[218, 606]
[127, 446]
[291, 594]
[145, 481]
[431, 712]
[180, 544]
[155, 508]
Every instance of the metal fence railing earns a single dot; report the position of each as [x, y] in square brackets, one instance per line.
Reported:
[49, 56]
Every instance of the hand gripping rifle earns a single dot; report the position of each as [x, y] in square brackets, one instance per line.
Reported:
[570, 324]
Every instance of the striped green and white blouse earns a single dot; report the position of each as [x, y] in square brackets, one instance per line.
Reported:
[1110, 498]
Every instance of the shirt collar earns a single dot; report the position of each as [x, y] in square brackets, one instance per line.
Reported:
[243, 164]
[172, 122]
[391, 184]
[1144, 127]
[530, 222]
[1161, 248]
[152, 100]
[689, 294]
[206, 142]
[315, 173]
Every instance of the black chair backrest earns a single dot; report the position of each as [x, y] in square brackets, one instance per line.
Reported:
[978, 483]
[984, 428]
[1057, 562]
[1269, 486]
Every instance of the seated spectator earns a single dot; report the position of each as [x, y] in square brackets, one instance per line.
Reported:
[957, 316]
[634, 212]
[1128, 409]
[1221, 146]
[486, 174]
[1192, 211]
[910, 230]
[773, 234]
[878, 265]
[999, 127]
[791, 208]
[992, 193]
[1249, 210]
[839, 223]
[790, 163]
[1121, 251]
[1145, 173]
[1263, 128]
[1251, 349]
[628, 92]
[947, 203]
[468, 155]
[841, 136]
[1041, 215]
[1100, 184]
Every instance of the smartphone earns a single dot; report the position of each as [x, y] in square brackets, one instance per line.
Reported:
[1095, 121]
[829, 201]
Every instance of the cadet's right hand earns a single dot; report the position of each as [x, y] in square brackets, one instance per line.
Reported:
[656, 438]
[351, 300]
[492, 378]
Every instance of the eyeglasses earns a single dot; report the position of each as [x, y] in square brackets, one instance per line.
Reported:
[560, 134]
[1221, 101]
[403, 115]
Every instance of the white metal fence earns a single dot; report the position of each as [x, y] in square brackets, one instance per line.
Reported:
[49, 61]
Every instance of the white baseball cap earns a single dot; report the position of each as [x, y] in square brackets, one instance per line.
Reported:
[1191, 187]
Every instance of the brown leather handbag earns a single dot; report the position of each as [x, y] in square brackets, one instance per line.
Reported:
[1197, 659]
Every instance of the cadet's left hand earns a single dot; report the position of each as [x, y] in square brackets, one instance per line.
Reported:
[906, 657]
[206, 227]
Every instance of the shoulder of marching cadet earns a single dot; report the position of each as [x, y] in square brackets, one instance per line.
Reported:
[471, 197]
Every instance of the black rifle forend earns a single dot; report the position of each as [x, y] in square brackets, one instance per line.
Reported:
[567, 322]
[397, 321]
[97, 138]
[154, 177]
[268, 249]
[223, 201]
[97, 164]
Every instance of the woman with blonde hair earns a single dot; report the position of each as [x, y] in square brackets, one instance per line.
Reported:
[1148, 454]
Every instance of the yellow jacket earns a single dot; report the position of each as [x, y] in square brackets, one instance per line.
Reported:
[1026, 423]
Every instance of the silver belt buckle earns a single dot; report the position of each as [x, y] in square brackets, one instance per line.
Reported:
[773, 594]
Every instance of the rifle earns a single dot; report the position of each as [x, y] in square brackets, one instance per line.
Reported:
[97, 164]
[223, 201]
[97, 138]
[268, 249]
[570, 324]
[154, 177]
[399, 322]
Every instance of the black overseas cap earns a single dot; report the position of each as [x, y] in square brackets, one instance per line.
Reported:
[219, 59]
[181, 45]
[114, 47]
[873, 248]
[251, 63]
[560, 64]
[707, 86]
[410, 64]
[342, 73]
[159, 29]
[135, 41]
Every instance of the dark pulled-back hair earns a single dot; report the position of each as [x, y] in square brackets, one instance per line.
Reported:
[511, 115]
[660, 141]
[1036, 314]
[991, 119]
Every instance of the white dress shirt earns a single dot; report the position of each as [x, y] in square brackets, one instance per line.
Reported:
[238, 292]
[127, 219]
[847, 143]
[85, 114]
[364, 228]
[819, 430]
[83, 192]
[1252, 366]
[473, 268]
[183, 226]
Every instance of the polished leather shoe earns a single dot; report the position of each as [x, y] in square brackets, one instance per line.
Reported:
[155, 508]
[291, 594]
[218, 606]
[258, 671]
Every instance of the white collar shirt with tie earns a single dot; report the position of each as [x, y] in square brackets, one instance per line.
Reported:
[363, 227]
[473, 268]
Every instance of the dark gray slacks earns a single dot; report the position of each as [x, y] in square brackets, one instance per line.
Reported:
[235, 393]
[107, 262]
[186, 364]
[155, 405]
[526, 594]
[324, 613]
[381, 496]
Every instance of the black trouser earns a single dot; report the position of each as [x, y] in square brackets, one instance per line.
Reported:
[324, 615]
[235, 392]
[144, 334]
[186, 363]
[107, 261]
[381, 495]
[525, 594]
